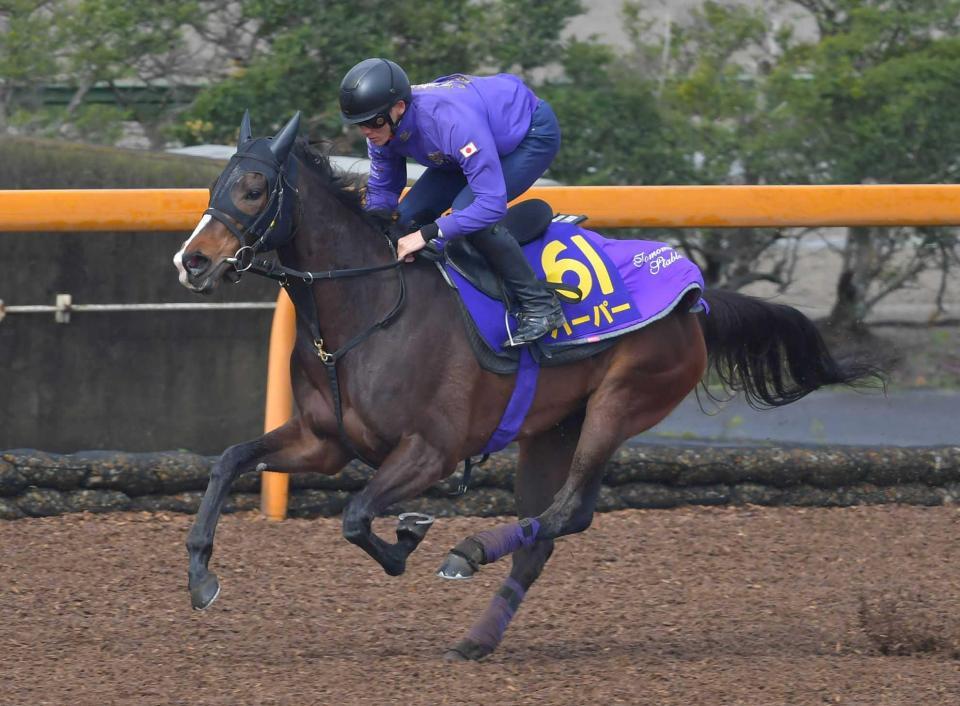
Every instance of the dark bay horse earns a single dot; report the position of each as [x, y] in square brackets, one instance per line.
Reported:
[382, 370]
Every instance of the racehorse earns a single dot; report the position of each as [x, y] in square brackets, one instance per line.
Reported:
[382, 370]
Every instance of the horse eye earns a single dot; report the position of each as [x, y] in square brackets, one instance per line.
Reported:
[253, 195]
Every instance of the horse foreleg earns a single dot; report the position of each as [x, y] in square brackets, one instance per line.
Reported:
[287, 448]
[412, 467]
[542, 466]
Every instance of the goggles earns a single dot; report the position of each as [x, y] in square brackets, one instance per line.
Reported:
[374, 123]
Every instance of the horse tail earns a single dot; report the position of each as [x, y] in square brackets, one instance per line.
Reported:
[772, 353]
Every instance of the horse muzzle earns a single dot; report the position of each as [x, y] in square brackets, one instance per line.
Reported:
[195, 264]
[199, 274]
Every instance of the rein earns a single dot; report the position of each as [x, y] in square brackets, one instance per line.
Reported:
[282, 274]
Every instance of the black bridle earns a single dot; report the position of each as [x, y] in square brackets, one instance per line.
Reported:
[270, 228]
[274, 226]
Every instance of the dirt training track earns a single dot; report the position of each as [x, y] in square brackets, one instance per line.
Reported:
[691, 606]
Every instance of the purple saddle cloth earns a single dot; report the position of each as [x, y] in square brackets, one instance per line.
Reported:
[626, 285]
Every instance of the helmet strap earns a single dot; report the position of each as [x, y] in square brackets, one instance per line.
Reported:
[390, 121]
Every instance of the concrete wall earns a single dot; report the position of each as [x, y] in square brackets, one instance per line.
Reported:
[132, 381]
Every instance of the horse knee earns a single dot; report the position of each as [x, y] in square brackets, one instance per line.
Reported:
[356, 526]
[355, 531]
[231, 462]
[220, 473]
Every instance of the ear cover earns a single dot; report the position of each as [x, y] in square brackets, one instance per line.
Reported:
[246, 134]
[282, 142]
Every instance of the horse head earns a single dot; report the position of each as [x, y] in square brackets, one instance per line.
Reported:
[251, 210]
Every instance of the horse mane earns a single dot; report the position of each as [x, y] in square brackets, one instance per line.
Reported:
[348, 188]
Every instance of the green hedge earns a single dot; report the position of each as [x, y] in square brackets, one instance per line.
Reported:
[49, 164]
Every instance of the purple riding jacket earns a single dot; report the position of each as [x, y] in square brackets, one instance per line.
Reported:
[460, 123]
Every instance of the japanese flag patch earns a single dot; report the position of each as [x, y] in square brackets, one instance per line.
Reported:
[468, 150]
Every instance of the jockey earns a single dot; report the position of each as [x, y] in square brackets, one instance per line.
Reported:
[485, 140]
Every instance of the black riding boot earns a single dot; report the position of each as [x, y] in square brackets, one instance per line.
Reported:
[540, 311]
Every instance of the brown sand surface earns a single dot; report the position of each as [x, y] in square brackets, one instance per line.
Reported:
[689, 606]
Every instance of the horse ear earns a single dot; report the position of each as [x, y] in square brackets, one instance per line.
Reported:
[245, 132]
[282, 142]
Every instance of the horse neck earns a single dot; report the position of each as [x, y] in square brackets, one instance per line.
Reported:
[332, 236]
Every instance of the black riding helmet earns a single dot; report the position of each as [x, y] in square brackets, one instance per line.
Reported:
[370, 89]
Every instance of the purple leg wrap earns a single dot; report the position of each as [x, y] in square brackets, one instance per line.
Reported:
[488, 631]
[507, 539]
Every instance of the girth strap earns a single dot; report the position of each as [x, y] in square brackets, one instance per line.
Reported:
[468, 465]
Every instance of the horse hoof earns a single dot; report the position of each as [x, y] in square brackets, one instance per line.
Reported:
[205, 592]
[467, 651]
[457, 568]
[413, 526]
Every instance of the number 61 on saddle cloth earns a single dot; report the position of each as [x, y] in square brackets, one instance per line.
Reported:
[625, 285]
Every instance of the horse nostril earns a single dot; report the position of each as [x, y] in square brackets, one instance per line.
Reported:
[195, 263]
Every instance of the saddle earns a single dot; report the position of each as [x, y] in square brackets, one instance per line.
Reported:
[526, 221]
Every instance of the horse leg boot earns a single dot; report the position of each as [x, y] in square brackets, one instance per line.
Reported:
[412, 467]
[539, 309]
[543, 464]
[286, 448]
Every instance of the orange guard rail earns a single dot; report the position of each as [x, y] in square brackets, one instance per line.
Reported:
[607, 207]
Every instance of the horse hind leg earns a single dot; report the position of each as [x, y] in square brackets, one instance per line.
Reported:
[288, 448]
[543, 464]
[633, 396]
[571, 510]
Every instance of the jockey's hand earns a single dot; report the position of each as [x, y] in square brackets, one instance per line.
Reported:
[408, 245]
